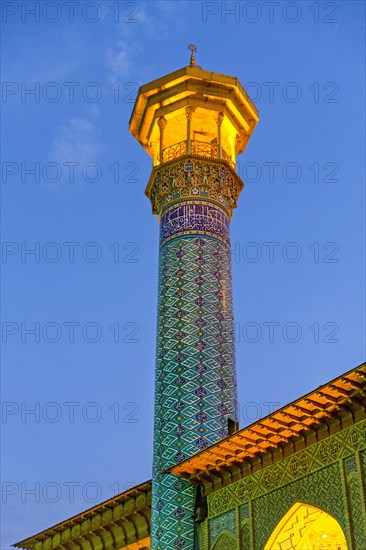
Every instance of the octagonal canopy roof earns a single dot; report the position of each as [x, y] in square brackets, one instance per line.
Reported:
[209, 94]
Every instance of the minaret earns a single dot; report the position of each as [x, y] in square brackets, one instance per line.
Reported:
[193, 123]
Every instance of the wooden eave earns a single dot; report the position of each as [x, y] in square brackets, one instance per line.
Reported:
[343, 395]
[136, 512]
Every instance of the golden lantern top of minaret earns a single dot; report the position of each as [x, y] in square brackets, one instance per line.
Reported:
[208, 104]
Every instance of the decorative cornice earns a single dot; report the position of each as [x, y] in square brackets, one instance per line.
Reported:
[194, 177]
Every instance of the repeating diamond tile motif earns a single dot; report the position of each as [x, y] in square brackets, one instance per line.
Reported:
[195, 390]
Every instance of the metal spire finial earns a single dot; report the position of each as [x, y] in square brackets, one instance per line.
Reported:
[193, 49]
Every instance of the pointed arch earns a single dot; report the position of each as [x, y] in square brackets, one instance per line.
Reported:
[225, 541]
[304, 527]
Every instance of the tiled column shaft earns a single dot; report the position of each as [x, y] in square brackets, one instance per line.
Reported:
[195, 392]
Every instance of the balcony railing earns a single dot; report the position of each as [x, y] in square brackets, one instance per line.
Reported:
[199, 148]
[175, 151]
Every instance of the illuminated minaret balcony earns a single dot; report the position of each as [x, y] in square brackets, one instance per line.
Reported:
[193, 123]
[193, 112]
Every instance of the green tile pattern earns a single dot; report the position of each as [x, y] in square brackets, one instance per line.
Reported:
[195, 386]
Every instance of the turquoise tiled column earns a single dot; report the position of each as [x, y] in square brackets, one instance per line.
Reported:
[195, 392]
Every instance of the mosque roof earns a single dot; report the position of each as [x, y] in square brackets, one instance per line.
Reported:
[335, 405]
[125, 518]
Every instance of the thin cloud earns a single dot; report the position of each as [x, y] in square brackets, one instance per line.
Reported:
[76, 141]
[119, 60]
[151, 19]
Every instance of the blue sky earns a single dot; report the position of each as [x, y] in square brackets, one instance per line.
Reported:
[89, 290]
